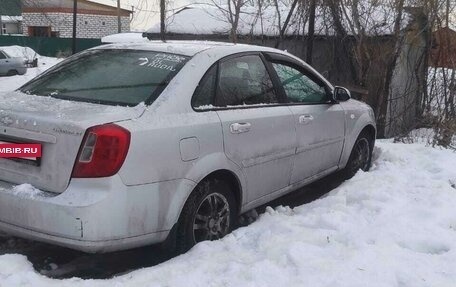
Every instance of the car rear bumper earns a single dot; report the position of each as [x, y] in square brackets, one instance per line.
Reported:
[96, 215]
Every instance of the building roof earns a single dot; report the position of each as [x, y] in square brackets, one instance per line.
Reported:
[66, 6]
[10, 7]
[11, 19]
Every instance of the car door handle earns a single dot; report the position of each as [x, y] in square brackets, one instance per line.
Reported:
[305, 119]
[238, 128]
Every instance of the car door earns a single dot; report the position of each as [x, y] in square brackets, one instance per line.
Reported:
[4, 65]
[258, 130]
[319, 121]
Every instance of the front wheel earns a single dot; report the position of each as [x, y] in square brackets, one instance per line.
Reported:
[12, 73]
[209, 214]
[360, 157]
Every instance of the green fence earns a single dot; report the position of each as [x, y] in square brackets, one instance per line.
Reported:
[49, 46]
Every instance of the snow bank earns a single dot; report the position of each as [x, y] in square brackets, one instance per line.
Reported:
[392, 226]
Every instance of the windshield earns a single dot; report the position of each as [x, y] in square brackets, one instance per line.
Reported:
[115, 77]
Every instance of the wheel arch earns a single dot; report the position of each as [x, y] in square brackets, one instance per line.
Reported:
[230, 178]
[370, 130]
[362, 126]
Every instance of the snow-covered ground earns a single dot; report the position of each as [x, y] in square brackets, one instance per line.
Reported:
[392, 226]
[11, 83]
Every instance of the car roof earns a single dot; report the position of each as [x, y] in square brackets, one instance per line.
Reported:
[186, 48]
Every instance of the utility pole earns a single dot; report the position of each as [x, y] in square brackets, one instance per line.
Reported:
[311, 32]
[75, 14]
[119, 22]
[162, 20]
[447, 16]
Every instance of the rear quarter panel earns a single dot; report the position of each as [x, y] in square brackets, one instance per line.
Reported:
[157, 152]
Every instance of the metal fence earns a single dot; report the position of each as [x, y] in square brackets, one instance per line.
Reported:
[49, 46]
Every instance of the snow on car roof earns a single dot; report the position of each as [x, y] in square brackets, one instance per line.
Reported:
[186, 48]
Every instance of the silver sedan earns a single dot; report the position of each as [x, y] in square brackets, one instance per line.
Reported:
[143, 143]
[10, 66]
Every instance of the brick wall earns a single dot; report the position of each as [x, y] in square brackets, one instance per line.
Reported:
[88, 26]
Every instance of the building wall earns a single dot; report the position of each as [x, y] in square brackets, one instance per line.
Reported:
[88, 26]
[443, 50]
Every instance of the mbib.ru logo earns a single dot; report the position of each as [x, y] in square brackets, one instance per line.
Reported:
[27, 151]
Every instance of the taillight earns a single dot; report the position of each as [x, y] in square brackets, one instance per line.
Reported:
[103, 151]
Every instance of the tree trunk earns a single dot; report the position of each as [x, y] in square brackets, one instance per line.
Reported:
[382, 104]
[287, 20]
[310, 34]
[162, 20]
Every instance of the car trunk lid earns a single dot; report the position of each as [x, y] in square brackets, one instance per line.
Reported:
[59, 126]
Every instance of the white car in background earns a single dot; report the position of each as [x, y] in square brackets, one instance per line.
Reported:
[10, 66]
[154, 141]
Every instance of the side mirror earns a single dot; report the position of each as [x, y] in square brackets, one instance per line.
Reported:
[341, 94]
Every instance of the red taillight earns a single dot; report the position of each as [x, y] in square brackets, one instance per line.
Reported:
[103, 151]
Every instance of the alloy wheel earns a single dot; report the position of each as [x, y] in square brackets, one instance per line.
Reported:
[212, 218]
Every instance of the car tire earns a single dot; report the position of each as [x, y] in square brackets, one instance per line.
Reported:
[12, 73]
[360, 156]
[209, 214]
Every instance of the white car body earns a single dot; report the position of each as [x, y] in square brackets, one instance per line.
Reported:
[173, 147]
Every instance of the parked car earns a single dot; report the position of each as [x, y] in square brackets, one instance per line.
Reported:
[143, 143]
[10, 66]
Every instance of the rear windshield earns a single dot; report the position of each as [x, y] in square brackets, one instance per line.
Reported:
[114, 77]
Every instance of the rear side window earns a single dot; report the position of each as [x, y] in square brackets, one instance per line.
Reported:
[116, 77]
[2, 56]
[205, 92]
[300, 87]
[244, 81]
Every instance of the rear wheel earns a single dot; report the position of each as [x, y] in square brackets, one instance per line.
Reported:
[360, 157]
[209, 214]
[12, 73]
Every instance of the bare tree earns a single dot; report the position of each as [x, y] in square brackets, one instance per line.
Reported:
[162, 20]
[231, 13]
[311, 32]
[283, 28]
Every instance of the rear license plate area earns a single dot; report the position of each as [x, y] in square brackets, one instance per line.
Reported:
[24, 159]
